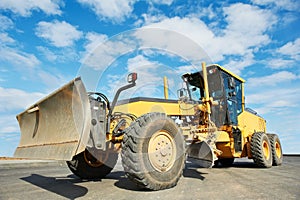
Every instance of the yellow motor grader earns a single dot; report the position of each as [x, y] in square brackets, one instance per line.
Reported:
[207, 123]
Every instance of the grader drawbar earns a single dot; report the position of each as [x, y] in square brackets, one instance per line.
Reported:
[208, 123]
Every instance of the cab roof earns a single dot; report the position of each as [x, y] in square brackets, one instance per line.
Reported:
[229, 72]
[192, 76]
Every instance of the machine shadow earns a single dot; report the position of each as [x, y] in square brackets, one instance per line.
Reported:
[122, 182]
[62, 186]
[126, 184]
[191, 171]
[66, 186]
[240, 163]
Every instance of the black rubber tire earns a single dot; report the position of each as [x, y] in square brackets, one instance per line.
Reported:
[81, 168]
[260, 141]
[276, 145]
[226, 162]
[135, 157]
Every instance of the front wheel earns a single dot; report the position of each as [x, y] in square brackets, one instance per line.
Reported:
[93, 163]
[153, 152]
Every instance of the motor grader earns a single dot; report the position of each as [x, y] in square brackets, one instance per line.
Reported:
[207, 123]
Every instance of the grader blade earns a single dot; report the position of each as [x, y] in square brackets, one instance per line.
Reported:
[56, 127]
[202, 154]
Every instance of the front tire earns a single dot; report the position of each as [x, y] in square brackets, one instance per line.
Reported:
[261, 150]
[85, 165]
[153, 152]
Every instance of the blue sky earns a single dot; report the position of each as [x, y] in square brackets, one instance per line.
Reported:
[46, 43]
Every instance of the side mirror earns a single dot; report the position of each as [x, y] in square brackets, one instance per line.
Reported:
[132, 77]
[182, 93]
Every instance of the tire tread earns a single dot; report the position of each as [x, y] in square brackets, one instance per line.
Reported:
[257, 150]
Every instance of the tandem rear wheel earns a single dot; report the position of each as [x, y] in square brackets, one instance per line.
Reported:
[266, 149]
[276, 149]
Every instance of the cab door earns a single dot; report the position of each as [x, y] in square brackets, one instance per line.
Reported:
[233, 88]
[232, 103]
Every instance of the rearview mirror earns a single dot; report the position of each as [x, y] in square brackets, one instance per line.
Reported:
[182, 93]
[132, 77]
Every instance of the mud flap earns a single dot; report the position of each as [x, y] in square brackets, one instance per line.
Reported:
[202, 154]
[56, 127]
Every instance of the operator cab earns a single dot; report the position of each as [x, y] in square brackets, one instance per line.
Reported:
[224, 87]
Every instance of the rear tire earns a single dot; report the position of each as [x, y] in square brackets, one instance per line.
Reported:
[261, 150]
[153, 152]
[276, 149]
[86, 166]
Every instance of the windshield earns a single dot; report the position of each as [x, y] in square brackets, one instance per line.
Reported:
[195, 84]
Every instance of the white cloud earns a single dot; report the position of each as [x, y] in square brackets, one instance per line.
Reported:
[166, 2]
[237, 65]
[279, 102]
[290, 5]
[187, 69]
[59, 34]
[94, 40]
[273, 79]
[149, 75]
[191, 39]
[5, 39]
[247, 19]
[115, 10]
[185, 37]
[148, 84]
[101, 56]
[5, 23]
[49, 55]
[18, 58]
[244, 34]
[13, 99]
[149, 18]
[8, 124]
[64, 55]
[52, 80]
[25, 7]
[101, 52]
[9, 47]
[247, 26]
[279, 63]
[291, 49]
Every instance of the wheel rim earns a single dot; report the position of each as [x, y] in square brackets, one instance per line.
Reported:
[266, 150]
[162, 151]
[278, 149]
[95, 162]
